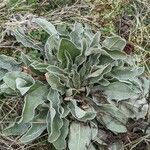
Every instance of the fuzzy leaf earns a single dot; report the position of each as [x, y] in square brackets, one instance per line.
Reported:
[65, 111]
[2, 73]
[61, 74]
[116, 55]
[21, 85]
[113, 124]
[32, 100]
[96, 40]
[79, 136]
[76, 34]
[34, 132]
[119, 91]
[5, 89]
[104, 82]
[54, 82]
[47, 26]
[9, 63]
[81, 58]
[127, 73]
[16, 128]
[114, 43]
[81, 114]
[51, 46]
[98, 78]
[54, 122]
[76, 79]
[113, 118]
[38, 125]
[67, 46]
[98, 72]
[25, 40]
[134, 108]
[56, 70]
[39, 66]
[60, 143]
[26, 60]
[19, 80]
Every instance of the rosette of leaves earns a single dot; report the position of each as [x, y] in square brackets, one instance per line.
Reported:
[83, 87]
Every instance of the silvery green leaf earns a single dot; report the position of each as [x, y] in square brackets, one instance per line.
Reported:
[85, 69]
[2, 73]
[26, 60]
[79, 136]
[119, 91]
[39, 66]
[34, 132]
[134, 108]
[57, 71]
[127, 73]
[25, 40]
[67, 46]
[105, 59]
[141, 85]
[60, 143]
[16, 128]
[32, 100]
[120, 63]
[62, 29]
[92, 50]
[81, 58]
[88, 65]
[114, 119]
[18, 80]
[88, 30]
[45, 25]
[65, 111]
[98, 72]
[100, 77]
[76, 79]
[5, 89]
[38, 125]
[51, 46]
[146, 86]
[23, 86]
[104, 82]
[95, 79]
[34, 66]
[55, 83]
[53, 125]
[112, 110]
[113, 124]
[54, 122]
[80, 114]
[95, 40]
[116, 54]
[95, 59]
[9, 63]
[69, 62]
[88, 35]
[76, 34]
[114, 43]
